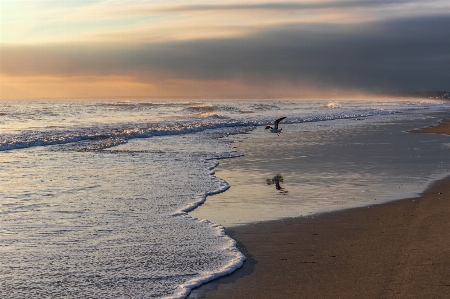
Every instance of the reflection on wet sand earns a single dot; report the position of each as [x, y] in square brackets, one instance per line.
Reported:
[326, 169]
[277, 179]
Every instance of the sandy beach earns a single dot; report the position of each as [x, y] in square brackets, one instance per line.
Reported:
[399, 249]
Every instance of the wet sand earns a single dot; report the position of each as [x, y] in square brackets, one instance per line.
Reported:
[442, 128]
[399, 249]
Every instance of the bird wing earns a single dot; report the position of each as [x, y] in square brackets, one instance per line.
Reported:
[277, 122]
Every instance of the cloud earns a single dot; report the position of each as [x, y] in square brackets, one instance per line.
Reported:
[285, 6]
[395, 55]
[154, 21]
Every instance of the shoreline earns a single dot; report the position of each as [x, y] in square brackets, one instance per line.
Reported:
[398, 249]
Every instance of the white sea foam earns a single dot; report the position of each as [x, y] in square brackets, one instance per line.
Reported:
[333, 104]
[105, 224]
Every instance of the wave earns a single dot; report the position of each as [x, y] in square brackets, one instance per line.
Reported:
[211, 115]
[130, 105]
[333, 104]
[105, 136]
[265, 106]
[203, 108]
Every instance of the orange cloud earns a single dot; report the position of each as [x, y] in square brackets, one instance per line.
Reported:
[36, 87]
[50, 87]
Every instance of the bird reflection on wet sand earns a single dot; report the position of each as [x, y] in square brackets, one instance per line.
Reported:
[277, 179]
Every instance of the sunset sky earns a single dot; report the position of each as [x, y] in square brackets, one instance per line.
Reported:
[221, 48]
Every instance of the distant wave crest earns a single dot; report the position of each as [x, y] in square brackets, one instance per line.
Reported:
[333, 104]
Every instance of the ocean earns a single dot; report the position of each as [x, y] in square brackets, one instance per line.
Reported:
[95, 194]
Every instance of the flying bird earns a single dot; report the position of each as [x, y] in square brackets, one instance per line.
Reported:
[275, 126]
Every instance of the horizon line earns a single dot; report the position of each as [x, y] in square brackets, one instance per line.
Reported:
[438, 94]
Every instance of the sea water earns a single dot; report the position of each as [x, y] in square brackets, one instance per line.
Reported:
[318, 167]
[94, 194]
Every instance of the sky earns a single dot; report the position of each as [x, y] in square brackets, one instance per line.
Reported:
[221, 48]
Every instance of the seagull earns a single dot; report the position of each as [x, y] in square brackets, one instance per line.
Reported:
[275, 126]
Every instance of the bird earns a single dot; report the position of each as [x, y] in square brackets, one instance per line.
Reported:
[275, 126]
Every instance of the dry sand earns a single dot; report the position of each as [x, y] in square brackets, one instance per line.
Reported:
[396, 250]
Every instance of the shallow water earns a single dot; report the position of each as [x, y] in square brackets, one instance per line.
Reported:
[328, 166]
[90, 224]
[94, 194]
